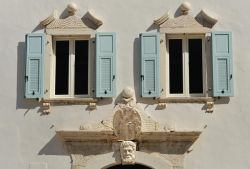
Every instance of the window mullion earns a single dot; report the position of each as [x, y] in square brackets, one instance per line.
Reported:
[71, 68]
[185, 66]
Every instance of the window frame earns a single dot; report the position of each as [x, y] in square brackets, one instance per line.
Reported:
[71, 91]
[185, 56]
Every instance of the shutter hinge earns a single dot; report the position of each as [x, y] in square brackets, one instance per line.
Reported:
[113, 77]
[142, 77]
[105, 92]
[231, 76]
[26, 78]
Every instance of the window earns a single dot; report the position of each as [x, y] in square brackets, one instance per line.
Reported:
[71, 67]
[186, 68]
[65, 67]
[70, 62]
[174, 65]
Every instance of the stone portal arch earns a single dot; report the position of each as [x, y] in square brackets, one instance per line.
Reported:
[99, 146]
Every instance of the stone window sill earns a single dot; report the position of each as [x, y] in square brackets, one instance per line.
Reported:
[185, 100]
[208, 101]
[91, 102]
[70, 100]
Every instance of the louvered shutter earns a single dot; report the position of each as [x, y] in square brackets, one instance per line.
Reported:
[150, 67]
[222, 64]
[105, 64]
[34, 65]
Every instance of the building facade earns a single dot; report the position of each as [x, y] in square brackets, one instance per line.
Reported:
[114, 84]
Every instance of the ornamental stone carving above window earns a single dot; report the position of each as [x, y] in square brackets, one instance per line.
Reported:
[72, 24]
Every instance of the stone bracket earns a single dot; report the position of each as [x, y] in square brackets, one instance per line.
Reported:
[210, 106]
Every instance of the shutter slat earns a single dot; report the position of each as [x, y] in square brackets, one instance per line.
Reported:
[149, 75]
[34, 65]
[222, 74]
[150, 67]
[222, 64]
[105, 64]
[34, 75]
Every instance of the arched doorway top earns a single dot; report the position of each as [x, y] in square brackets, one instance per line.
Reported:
[105, 161]
[136, 166]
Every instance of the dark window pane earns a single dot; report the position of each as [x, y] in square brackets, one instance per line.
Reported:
[135, 166]
[81, 67]
[195, 66]
[62, 67]
[175, 66]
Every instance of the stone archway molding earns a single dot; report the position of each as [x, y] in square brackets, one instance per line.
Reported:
[102, 145]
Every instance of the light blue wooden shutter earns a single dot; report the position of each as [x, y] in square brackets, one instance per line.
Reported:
[34, 65]
[222, 64]
[150, 67]
[105, 64]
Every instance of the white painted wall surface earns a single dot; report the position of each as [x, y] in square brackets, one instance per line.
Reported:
[28, 138]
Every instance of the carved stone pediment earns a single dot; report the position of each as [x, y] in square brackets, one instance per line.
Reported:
[72, 24]
[183, 24]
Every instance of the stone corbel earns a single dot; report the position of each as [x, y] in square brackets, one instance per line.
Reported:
[161, 105]
[46, 108]
[92, 106]
[210, 106]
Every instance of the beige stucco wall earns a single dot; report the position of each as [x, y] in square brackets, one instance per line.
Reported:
[28, 137]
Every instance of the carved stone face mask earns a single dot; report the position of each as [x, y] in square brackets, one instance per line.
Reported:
[127, 153]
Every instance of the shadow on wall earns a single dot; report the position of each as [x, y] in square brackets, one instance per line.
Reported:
[55, 146]
[221, 100]
[178, 12]
[153, 27]
[137, 68]
[38, 28]
[21, 102]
